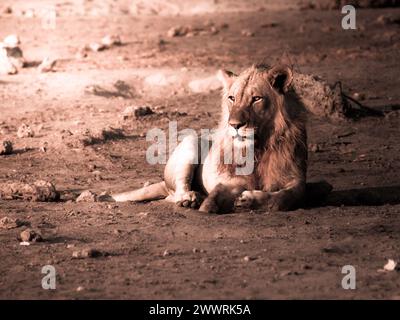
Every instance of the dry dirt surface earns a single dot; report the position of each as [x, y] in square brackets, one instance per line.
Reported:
[81, 139]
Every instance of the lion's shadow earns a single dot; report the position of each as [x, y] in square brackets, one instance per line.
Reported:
[371, 196]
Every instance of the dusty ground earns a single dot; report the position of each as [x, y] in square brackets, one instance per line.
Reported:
[156, 250]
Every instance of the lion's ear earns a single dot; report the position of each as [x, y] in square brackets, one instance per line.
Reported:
[280, 78]
[226, 77]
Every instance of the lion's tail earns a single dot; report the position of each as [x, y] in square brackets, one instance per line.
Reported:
[151, 192]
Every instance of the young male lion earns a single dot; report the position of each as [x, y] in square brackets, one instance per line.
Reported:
[260, 112]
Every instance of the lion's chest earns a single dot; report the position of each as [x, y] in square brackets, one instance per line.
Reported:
[211, 174]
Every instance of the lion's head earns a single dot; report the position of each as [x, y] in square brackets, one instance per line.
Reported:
[259, 103]
[254, 101]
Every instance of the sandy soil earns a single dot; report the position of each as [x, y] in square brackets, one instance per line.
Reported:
[156, 250]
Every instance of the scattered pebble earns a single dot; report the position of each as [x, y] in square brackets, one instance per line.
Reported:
[11, 56]
[47, 65]
[135, 112]
[40, 190]
[111, 40]
[391, 265]
[358, 96]
[86, 253]
[6, 147]
[105, 43]
[11, 41]
[79, 289]
[166, 253]
[248, 258]
[189, 31]
[30, 235]
[97, 47]
[10, 223]
[87, 196]
[25, 131]
[178, 31]
[247, 33]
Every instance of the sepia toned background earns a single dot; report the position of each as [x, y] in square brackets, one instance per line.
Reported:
[95, 76]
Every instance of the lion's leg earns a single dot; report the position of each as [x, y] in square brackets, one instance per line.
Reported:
[152, 192]
[285, 199]
[179, 173]
[222, 198]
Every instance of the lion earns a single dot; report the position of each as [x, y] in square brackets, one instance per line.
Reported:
[260, 112]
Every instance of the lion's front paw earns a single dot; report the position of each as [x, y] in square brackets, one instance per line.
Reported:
[245, 200]
[189, 199]
[209, 206]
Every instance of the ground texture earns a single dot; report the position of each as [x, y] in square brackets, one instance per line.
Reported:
[156, 250]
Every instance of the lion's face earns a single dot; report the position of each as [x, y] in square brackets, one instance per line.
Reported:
[250, 99]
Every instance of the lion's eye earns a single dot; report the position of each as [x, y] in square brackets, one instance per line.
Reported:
[231, 98]
[256, 98]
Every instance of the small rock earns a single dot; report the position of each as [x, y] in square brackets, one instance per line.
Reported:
[111, 40]
[30, 235]
[97, 46]
[247, 33]
[358, 96]
[166, 253]
[47, 65]
[247, 258]
[213, 30]
[6, 147]
[97, 174]
[391, 265]
[86, 253]
[79, 289]
[178, 31]
[11, 56]
[135, 112]
[25, 131]
[40, 190]
[87, 196]
[11, 41]
[10, 223]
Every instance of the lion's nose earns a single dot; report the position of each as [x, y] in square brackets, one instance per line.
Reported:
[236, 124]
